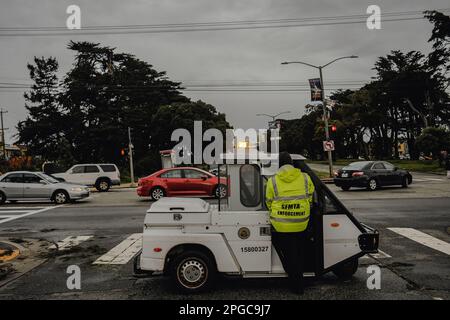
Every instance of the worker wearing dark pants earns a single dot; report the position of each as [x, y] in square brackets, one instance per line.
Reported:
[288, 198]
[290, 249]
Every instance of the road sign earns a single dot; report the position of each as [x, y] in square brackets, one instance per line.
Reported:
[328, 145]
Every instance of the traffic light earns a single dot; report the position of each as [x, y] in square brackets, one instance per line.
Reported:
[333, 128]
[122, 152]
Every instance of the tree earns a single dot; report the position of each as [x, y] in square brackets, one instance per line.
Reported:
[440, 38]
[42, 129]
[107, 92]
[86, 117]
[433, 141]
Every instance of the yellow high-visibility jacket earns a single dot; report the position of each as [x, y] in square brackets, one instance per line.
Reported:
[289, 195]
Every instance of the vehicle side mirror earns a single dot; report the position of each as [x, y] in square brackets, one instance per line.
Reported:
[42, 181]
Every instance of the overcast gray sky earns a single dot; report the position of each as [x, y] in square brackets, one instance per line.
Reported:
[217, 56]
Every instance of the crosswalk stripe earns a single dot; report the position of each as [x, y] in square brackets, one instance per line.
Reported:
[427, 179]
[380, 255]
[28, 213]
[123, 252]
[25, 208]
[424, 239]
[15, 211]
[69, 242]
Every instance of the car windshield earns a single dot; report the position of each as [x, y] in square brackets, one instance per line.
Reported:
[360, 165]
[48, 178]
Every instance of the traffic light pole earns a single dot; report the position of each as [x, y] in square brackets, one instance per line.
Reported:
[130, 154]
[325, 111]
[325, 118]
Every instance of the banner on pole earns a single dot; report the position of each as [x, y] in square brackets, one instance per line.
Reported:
[316, 89]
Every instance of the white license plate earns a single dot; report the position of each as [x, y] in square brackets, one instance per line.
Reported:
[344, 175]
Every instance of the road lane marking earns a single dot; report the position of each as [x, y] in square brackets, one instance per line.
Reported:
[123, 252]
[30, 213]
[69, 242]
[424, 239]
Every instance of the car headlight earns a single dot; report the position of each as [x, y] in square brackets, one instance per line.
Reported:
[78, 189]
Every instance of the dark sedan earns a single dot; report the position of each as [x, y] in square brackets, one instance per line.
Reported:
[371, 175]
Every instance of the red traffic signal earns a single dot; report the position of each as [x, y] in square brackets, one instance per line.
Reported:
[122, 152]
[333, 128]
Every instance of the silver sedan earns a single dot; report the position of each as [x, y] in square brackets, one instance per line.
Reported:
[27, 185]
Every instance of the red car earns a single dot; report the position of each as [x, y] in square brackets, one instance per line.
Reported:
[181, 181]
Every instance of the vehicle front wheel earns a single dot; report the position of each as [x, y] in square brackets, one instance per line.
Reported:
[103, 185]
[372, 185]
[61, 197]
[345, 188]
[157, 193]
[2, 197]
[220, 191]
[193, 271]
[346, 270]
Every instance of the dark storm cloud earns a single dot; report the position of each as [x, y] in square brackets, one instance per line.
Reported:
[219, 55]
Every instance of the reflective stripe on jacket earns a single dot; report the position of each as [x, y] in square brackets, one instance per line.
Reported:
[289, 197]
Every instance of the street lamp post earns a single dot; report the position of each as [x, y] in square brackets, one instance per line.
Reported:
[274, 117]
[325, 112]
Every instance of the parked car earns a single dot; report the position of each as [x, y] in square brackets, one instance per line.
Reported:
[181, 181]
[27, 185]
[371, 175]
[102, 176]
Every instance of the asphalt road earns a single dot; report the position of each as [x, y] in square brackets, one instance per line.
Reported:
[410, 270]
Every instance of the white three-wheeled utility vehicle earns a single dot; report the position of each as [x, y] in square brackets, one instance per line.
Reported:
[193, 241]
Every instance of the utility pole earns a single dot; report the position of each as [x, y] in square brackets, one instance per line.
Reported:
[3, 132]
[130, 154]
[325, 119]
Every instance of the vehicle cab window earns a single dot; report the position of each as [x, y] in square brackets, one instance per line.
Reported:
[13, 178]
[108, 167]
[91, 169]
[31, 178]
[78, 169]
[194, 174]
[250, 185]
[378, 166]
[388, 166]
[171, 174]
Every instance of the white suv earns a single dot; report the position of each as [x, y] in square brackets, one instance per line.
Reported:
[102, 176]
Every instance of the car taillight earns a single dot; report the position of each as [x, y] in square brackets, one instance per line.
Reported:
[357, 174]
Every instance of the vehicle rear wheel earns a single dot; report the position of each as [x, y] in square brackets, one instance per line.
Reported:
[157, 193]
[345, 188]
[372, 185]
[103, 185]
[2, 197]
[220, 191]
[346, 270]
[405, 182]
[61, 197]
[193, 271]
